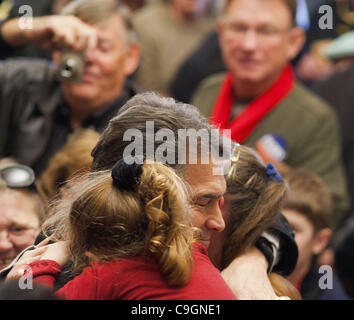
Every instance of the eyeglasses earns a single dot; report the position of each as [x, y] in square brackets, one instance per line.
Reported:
[18, 176]
[265, 33]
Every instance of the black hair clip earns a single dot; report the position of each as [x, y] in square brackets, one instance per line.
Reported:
[126, 176]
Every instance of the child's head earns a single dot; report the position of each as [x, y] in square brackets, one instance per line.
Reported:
[254, 198]
[308, 209]
[129, 211]
[252, 201]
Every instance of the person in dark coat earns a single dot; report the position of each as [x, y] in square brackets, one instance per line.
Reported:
[38, 111]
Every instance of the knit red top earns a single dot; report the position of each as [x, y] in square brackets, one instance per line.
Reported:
[136, 278]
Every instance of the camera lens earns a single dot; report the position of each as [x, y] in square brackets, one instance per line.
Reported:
[17, 176]
[71, 66]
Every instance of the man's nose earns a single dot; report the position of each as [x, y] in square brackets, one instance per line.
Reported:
[216, 221]
[250, 40]
[91, 55]
[5, 243]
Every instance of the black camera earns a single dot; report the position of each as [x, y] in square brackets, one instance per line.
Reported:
[71, 66]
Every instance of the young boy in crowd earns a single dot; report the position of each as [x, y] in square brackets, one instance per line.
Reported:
[308, 209]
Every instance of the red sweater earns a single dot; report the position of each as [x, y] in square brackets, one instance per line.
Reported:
[136, 279]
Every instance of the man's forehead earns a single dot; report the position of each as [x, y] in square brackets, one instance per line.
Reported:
[113, 23]
[17, 205]
[262, 11]
[17, 216]
[202, 179]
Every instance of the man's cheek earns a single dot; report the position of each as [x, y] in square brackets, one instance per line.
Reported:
[197, 217]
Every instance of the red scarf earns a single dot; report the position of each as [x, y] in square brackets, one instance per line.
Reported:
[243, 125]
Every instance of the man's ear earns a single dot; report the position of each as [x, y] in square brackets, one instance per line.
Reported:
[220, 28]
[220, 31]
[296, 41]
[132, 59]
[321, 240]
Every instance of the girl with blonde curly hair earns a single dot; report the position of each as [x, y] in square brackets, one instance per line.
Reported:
[129, 235]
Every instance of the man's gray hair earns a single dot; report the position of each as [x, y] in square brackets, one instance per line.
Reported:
[164, 113]
[290, 4]
[96, 11]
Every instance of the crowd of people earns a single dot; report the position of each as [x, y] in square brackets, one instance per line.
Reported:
[98, 202]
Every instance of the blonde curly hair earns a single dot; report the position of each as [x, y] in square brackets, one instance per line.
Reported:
[153, 220]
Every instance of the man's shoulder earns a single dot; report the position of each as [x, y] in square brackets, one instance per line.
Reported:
[210, 86]
[27, 70]
[301, 99]
[206, 93]
[212, 82]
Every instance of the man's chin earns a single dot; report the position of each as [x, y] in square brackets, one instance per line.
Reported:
[248, 75]
[206, 243]
[82, 91]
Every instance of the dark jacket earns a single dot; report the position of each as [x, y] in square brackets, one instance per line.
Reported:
[29, 96]
[311, 287]
[337, 89]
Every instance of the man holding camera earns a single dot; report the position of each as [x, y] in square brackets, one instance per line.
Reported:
[38, 110]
